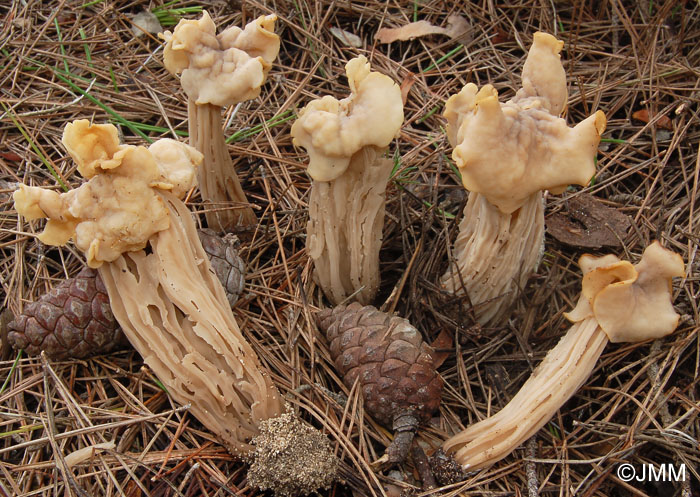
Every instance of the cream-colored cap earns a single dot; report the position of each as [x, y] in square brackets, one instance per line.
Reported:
[224, 69]
[508, 151]
[631, 303]
[331, 131]
[119, 208]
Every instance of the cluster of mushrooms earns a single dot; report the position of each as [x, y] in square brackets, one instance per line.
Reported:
[132, 225]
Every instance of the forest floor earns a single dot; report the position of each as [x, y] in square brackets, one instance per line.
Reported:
[637, 61]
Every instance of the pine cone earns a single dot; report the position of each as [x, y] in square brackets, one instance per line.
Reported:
[227, 265]
[395, 368]
[74, 320]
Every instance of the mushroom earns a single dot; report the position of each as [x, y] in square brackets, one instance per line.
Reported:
[219, 70]
[619, 302]
[346, 141]
[507, 153]
[129, 220]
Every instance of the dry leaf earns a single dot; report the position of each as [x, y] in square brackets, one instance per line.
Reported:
[406, 85]
[501, 36]
[409, 31]
[442, 341]
[458, 27]
[145, 22]
[349, 39]
[10, 156]
[588, 223]
[81, 455]
[661, 122]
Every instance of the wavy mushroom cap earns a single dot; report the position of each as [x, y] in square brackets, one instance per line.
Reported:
[543, 74]
[508, 151]
[332, 130]
[225, 69]
[631, 303]
[119, 208]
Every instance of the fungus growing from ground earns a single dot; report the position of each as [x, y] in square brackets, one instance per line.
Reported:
[619, 302]
[135, 230]
[219, 70]
[507, 153]
[346, 141]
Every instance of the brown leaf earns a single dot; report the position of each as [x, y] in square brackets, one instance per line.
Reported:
[661, 122]
[346, 37]
[501, 36]
[10, 156]
[406, 85]
[458, 28]
[588, 223]
[407, 32]
[442, 341]
[132, 489]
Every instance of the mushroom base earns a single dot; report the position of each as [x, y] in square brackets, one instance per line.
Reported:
[175, 313]
[494, 255]
[216, 176]
[344, 233]
[562, 372]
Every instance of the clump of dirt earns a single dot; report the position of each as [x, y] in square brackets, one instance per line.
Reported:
[445, 469]
[291, 458]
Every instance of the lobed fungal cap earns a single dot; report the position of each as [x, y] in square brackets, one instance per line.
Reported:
[221, 69]
[119, 208]
[508, 151]
[631, 303]
[332, 130]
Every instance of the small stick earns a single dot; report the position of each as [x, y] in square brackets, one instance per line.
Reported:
[423, 467]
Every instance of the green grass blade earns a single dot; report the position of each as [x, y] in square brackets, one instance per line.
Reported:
[286, 116]
[60, 44]
[34, 146]
[120, 119]
[86, 47]
[12, 370]
[442, 59]
[114, 79]
[429, 113]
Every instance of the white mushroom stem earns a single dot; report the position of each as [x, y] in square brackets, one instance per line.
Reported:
[619, 302]
[218, 182]
[171, 308]
[219, 70]
[345, 140]
[344, 232]
[494, 254]
[563, 371]
[132, 226]
[507, 154]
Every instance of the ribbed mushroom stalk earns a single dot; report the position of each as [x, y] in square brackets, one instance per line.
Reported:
[219, 70]
[74, 319]
[346, 141]
[133, 227]
[507, 153]
[619, 302]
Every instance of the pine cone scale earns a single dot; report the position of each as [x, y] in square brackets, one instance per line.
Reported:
[75, 320]
[391, 362]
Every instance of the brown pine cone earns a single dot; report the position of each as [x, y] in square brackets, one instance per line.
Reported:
[395, 368]
[73, 320]
[227, 265]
